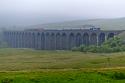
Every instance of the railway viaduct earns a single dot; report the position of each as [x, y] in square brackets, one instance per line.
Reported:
[65, 39]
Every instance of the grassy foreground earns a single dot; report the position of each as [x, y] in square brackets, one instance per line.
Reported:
[27, 59]
[66, 76]
[31, 66]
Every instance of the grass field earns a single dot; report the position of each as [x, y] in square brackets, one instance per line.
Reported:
[28, 59]
[36, 66]
[66, 76]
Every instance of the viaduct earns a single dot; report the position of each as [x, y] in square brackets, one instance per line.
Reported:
[65, 39]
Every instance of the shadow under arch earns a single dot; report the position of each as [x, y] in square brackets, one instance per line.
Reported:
[64, 41]
[42, 41]
[58, 41]
[53, 42]
[93, 39]
[33, 40]
[101, 38]
[85, 39]
[71, 40]
[47, 41]
[30, 39]
[38, 41]
[110, 35]
[25, 40]
[78, 39]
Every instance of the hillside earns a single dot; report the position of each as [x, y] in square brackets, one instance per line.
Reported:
[105, 24]
[122, 36]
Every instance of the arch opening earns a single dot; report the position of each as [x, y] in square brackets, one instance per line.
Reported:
[52, 43]
[78, 40]
[38, 42]
[47, 41]
[58, 41]
[85, 39]
[110, 35]
[64, 41]
[101, 38]
[42, 41]
[93, 39]
[71, 41]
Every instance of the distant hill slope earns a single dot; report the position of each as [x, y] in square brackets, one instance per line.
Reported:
[122, 36]
[105, 24]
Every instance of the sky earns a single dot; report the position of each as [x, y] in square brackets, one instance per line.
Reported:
[31, 12]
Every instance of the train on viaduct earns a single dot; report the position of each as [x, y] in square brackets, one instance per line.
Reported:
[50, 39]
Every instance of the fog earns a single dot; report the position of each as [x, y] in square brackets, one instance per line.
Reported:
[31, 12]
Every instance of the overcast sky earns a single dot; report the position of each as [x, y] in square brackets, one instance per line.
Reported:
[30, 12]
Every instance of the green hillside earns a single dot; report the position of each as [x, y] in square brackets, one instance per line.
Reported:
[122, 36]
[105, 24]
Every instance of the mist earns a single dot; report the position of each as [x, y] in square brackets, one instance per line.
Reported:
[32, 12]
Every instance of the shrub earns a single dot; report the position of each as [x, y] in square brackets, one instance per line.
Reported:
[118, 76]
[92, 48]
[3, 45]
[7, 80]
[83, 48]
[75, 49]
[112, 45]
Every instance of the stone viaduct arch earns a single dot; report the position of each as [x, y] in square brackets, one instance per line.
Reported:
[53, 42]
[58, 41]
[110, 35]
[71, 40]
[78, 39]
[101, 38]
[38, 41]
[42, 41]
[33, 40]
[47, 41]
[64, 41]
[93, 39]
[85, 39]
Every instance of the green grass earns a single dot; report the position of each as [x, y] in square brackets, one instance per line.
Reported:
[28, 59]
[66, 76]
[36, 66]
